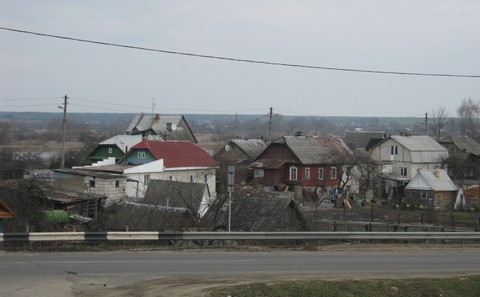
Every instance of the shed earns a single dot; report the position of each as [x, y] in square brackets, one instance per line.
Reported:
[191, 197]
[255, 212]
[431, 188]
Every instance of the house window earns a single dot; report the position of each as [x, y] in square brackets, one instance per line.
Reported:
[192, 178]
[423, 195]
[206, 178]
[171, 177]
[141, 155]
[92, 183]
[307, 173]
[293, 173]
[403, 171]
[117, 184]
[333, 172]
[320, 173]
[258, 173]
[146, 179]
[393, 150]
[110, 150]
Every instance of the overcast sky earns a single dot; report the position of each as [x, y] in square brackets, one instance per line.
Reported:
[424, 36]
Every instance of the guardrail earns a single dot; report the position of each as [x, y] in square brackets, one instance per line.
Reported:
[153, 236]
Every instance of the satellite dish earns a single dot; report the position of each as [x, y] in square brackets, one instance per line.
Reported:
[227, 148]
[174, 127]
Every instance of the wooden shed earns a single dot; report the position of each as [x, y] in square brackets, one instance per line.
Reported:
[431, 188]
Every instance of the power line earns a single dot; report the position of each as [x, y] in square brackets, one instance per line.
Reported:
[242, 60]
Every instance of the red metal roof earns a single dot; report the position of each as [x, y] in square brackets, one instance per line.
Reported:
[177, 153]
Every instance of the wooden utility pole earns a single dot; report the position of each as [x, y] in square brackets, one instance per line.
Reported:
[426, 122]
[270, 125]
[64, 124]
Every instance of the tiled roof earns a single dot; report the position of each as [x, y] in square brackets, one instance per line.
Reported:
[177, 153]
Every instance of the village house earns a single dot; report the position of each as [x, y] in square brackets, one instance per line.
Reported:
[115, 147]
[85, 181]
[431, 189]
[168, 127]
[238, 153]
[302, 161]
[401, 157]
[168, 160]
[464, 159]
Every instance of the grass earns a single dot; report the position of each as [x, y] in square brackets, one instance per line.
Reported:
[460, 286]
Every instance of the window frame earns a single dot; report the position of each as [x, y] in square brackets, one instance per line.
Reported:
[320, 173]
[293, 173]
[333, 170]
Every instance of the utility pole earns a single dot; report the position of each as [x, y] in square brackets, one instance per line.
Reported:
[426, 121]
[270, 125]
[64, 124]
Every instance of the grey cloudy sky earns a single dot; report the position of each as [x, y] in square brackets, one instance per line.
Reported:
[426, 36]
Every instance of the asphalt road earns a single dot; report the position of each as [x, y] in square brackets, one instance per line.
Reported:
[64, 274]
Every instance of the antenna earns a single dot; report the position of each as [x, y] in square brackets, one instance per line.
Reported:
[153, 105]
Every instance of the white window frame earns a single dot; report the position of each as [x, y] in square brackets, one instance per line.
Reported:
[146, 179]
[141, 155]
[293, 173]
[333, 172]
[403, 171]
[320, 173]
[110, 150]
[307, 173]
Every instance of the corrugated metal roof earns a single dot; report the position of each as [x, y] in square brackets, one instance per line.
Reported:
[167, 126]
[360, 139]
[251, 147]
[122, 141]
[431, 180]
[316, 150]
[464, 143]
[419, 143]
[177, 153]
[175, 194]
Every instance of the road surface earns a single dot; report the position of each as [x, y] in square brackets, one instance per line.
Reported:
[83, 274]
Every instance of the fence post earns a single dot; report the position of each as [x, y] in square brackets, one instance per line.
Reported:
[334, 226]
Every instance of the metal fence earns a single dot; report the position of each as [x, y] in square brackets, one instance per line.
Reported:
[237, 236]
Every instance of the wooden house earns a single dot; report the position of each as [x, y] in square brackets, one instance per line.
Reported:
[360, 139]
[302, 161]
[239, 153]
[431, 189]
[114, 147]
[168, 127]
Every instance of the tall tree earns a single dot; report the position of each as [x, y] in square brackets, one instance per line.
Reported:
[467, 113]
[438, 119]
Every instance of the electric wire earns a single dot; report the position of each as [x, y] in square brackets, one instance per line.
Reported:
[240, 59]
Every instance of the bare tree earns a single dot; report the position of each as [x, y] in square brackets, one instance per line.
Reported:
[467, 113]
[438, 119]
